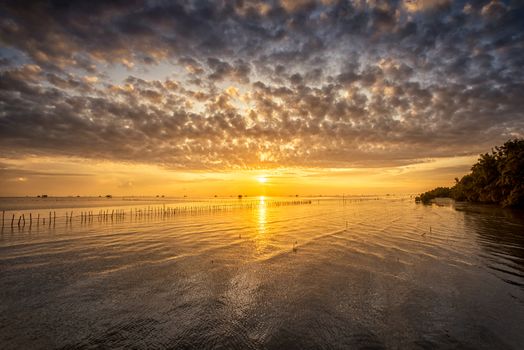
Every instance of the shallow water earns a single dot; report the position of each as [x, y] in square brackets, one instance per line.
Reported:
[366, 273]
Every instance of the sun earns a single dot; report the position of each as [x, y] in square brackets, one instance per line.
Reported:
[262, 179]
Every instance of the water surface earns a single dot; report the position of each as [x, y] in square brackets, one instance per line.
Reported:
[364, 273]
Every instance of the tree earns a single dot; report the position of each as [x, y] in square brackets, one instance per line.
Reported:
[496, 178]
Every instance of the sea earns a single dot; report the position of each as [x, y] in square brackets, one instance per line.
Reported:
[358, 272]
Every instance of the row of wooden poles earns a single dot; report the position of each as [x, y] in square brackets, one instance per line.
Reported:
[146, 212]
[22, 219]
[163, 211]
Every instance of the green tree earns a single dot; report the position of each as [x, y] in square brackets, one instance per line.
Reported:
[496, 178]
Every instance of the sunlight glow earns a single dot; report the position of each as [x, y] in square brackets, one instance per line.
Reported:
[262, 179]
[30, 175]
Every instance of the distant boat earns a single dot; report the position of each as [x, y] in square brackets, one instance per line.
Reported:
[109, 196]
[44, 196]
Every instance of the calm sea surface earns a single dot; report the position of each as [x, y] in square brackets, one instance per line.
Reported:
[258, 274]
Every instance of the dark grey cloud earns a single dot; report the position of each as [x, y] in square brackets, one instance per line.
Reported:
[221, 70]
[221, 84]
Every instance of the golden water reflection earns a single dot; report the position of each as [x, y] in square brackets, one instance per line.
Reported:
[261, 239]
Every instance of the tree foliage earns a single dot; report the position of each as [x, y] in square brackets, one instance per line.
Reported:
[497, 177]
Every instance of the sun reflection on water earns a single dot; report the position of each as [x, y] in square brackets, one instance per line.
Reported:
[261, 234]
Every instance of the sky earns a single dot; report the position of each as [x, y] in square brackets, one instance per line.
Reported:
[280, 97]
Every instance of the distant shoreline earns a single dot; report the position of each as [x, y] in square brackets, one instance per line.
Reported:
[50, 203]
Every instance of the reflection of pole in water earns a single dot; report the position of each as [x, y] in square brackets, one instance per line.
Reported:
[261, 205]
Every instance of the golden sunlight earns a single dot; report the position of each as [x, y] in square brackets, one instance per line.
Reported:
[262, 179]
[262, 174]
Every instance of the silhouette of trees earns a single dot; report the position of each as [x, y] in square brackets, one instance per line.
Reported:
[439, 192]
[497, 177]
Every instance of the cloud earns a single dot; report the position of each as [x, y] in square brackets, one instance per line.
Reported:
[222, 70]
[424, 5]
[217, 85]
[494, 9]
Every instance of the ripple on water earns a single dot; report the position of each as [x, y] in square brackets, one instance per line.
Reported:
[368, 274]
